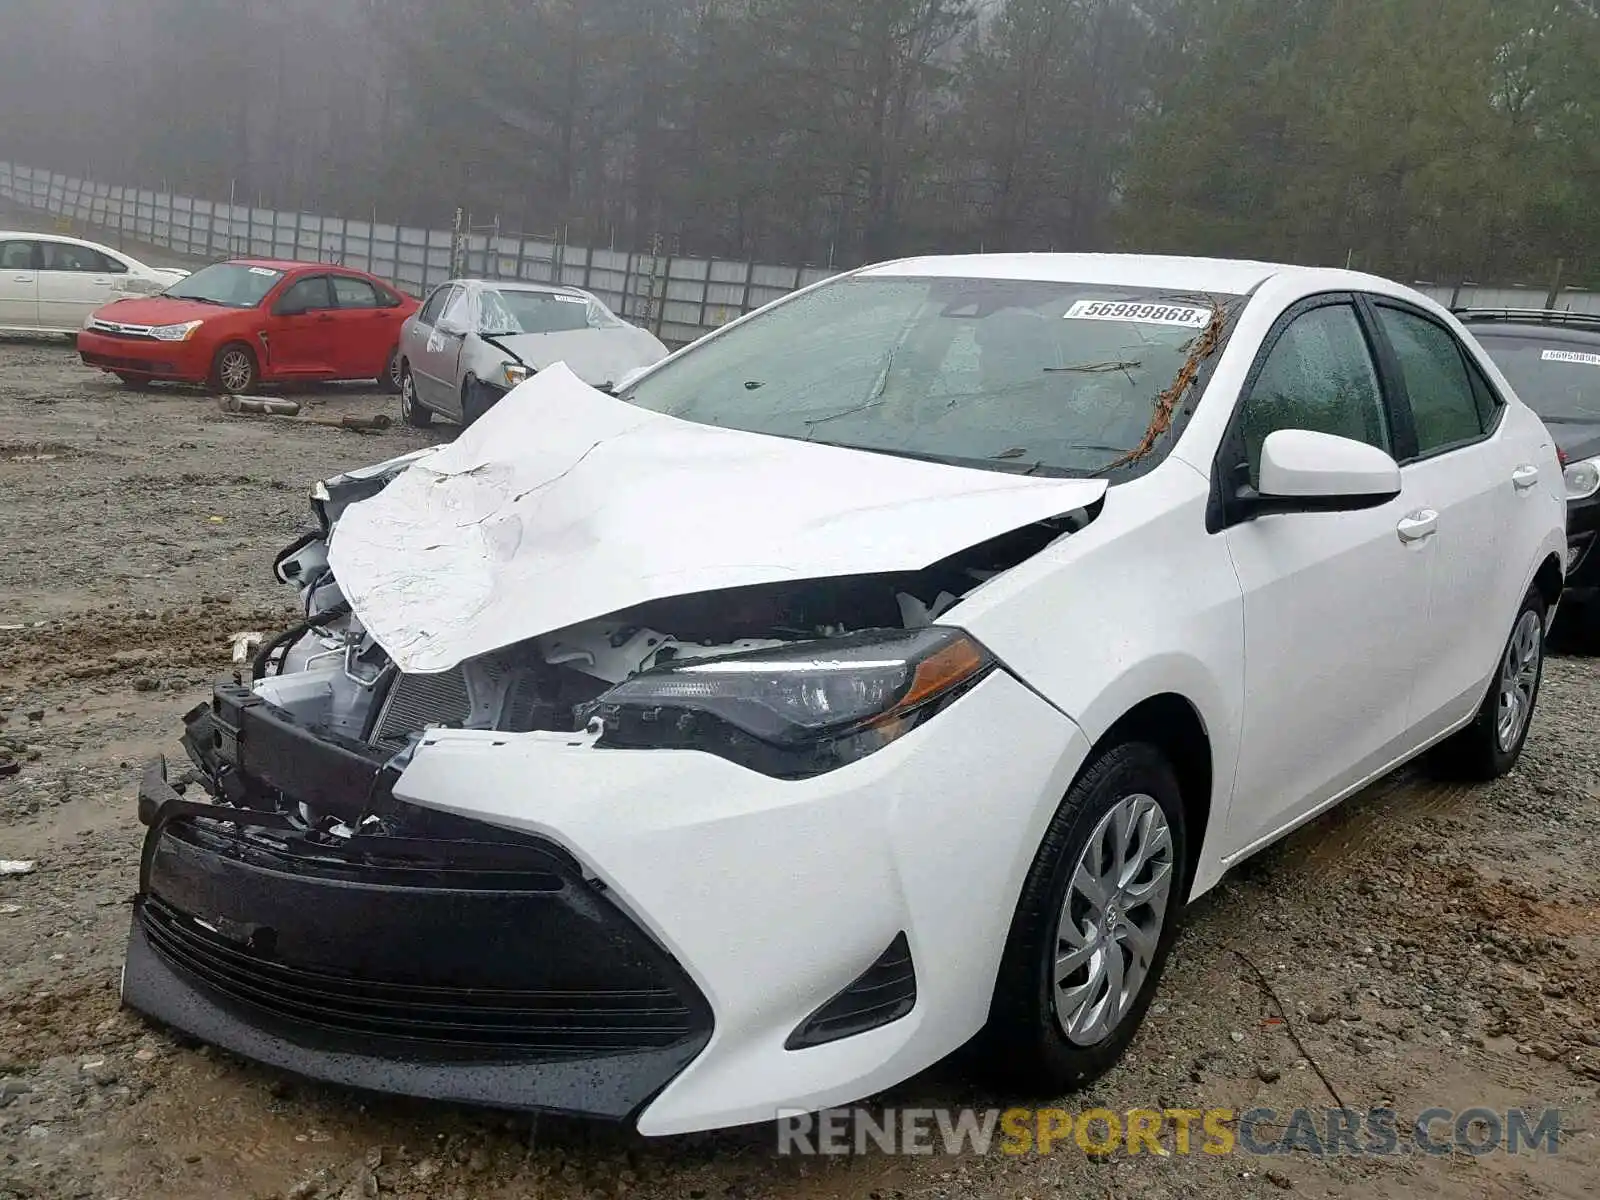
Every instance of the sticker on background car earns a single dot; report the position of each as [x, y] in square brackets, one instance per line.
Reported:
[1571, 356]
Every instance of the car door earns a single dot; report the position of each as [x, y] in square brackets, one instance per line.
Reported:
[1470, 480]
[19, 284]
[74, 280]
[437, 381]
[418, 334]
[302, 331]
[366, 330]
[1332, 601]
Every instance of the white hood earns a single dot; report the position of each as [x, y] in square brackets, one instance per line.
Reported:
[563, 504]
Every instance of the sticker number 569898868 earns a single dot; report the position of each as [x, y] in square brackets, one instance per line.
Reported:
[1185, 315]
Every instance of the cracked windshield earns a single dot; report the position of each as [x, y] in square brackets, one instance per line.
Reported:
[1031, 377]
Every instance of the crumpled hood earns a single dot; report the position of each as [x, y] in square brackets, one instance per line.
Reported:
[599, 357]
[563, 504]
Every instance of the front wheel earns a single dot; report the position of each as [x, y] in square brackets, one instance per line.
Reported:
[412, 412]
[1093, 928]
[1492, 744]
[234, 371]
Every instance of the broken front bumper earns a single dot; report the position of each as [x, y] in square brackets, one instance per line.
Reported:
[762, 920]
[461, 962]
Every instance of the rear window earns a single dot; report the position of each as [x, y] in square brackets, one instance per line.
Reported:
[1556, 374]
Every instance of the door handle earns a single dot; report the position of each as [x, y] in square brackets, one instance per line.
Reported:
[22, 278]
[1417, 526]
[325, 317]
[1525, 477]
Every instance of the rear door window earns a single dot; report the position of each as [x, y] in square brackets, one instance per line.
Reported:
[354, 293]
[1446, 408]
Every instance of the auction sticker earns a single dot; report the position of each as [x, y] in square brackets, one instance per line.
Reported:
[1571, 356]
[1142, 314]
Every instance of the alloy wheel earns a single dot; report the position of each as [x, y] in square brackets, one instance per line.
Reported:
[1111, 920]
[1519, 680]
[234, 370]
[395, 374]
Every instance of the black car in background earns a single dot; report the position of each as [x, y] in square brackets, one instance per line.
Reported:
[1552, 359]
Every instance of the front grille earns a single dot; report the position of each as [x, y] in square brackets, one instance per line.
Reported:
[534, 1024]
[112, 329]
[415, 702]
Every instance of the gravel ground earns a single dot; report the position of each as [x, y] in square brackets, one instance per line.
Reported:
[1431, 945]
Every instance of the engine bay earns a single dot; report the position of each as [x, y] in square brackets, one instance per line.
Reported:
[329, 673]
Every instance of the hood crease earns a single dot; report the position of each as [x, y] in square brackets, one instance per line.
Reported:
[563, 504]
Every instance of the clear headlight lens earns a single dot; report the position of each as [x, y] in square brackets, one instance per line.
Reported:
[175, 333]
[800, 710]
[1582, 479]
[515, 373]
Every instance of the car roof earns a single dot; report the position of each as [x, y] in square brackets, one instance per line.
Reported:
[26, 236]
[1221, 275]
[290, 266]
[521, 285]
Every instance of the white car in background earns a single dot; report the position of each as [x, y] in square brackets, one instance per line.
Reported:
[887, 669]
[50, 283]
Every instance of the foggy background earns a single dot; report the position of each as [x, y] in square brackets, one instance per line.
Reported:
[1424, 139]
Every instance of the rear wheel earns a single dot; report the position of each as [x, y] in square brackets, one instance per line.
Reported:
[389, 381]
[412, 412]
[234, 370]
[1492, 744]
[1093, 928]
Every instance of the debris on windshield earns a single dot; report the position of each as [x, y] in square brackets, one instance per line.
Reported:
[1200, 348]
[1014, 453]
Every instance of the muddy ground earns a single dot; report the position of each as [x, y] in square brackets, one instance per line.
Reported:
[1433, 946]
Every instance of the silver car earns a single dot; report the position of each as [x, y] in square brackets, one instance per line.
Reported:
[474, 340]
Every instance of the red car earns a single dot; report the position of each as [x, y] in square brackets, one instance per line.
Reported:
[238, 324]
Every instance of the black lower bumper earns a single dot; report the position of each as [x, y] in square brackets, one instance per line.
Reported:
[423, 955]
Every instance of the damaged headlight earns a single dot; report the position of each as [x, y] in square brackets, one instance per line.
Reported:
[796, 711]
[514, 373]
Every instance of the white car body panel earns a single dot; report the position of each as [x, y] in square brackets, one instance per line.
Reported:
[692, 844]
[564, 504]
[1318, 650]
[56, 301]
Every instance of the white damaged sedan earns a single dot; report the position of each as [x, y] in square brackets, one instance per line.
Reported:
[884, 671]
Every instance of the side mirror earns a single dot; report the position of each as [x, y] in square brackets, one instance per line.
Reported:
[1303, 471]
[289, 308]
[451, 327]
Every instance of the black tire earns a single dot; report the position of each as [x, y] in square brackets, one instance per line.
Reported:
[234, 371]
[389, 381]
[413, 413]
[1481, 752]
[1024, 1044]
[134, 383]
[476, 399]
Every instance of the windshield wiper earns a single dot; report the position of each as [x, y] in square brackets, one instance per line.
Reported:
[196, 299]
[1099, 368]
[951, 460]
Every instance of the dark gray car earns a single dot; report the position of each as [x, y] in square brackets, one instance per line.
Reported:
[474, 340]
